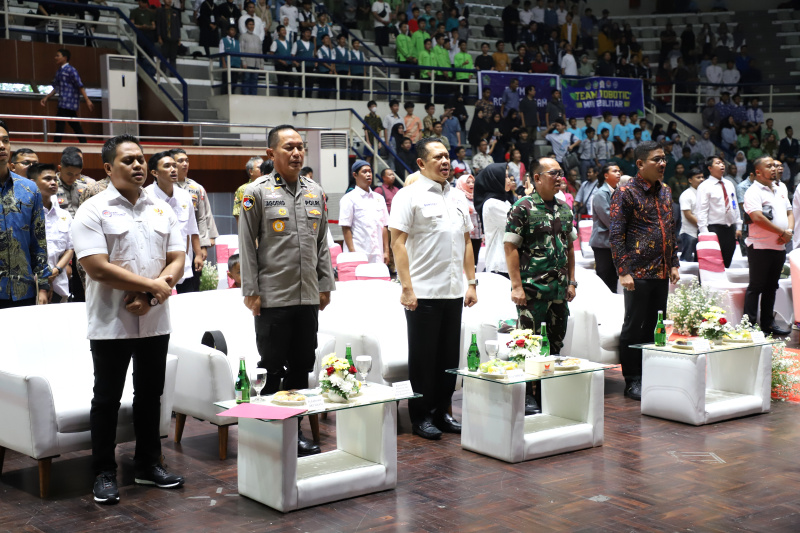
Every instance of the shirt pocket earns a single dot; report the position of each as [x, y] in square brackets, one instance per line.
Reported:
[314, 217]
[277, 218]
[159, 237]
[430, 218]
[120, 240]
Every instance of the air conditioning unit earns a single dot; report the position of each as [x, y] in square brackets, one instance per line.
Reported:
[120, 95]
[327, 154]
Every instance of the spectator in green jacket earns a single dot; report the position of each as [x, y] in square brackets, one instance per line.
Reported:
[425, 58]
[418, 39]
[463, 60]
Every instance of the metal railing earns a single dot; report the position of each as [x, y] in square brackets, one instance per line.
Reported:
[377, 78]
[373, 148]
[152, 67]
[201, 139]
[692, 97]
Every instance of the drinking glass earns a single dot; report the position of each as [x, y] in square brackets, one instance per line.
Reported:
[364, 365]
[259, 380]
[491, 349]
[669, 326]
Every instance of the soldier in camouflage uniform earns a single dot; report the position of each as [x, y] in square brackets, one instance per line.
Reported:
[539, 255]
[71, 183]
[253, 169]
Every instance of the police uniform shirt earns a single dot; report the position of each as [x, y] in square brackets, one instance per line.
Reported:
[181, 204]
[57, 224]
[202, 210]
[365, 213]
[136, 238]
[69, 196]
[292, 263]
[435, 220]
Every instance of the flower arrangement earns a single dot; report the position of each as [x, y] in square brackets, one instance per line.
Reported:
[687, 305]
[209, 278]
[785, 368]
[338, 378]
[523, 342]
[743, 331]
[714, 325]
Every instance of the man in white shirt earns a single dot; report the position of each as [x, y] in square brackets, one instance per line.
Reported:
[688, 199]
[165, 171]
[568, 65]
[363, 217]
[526, 14]
[538, 12]
[714, 75]
[250, 13]
[716, 208]
[57, 223]
[288, 17]
[561, 140]
[432, 252]
[131, 248]
[770, 230]
[391, 119]
[381, 18]
[730, 78]
[482, 159]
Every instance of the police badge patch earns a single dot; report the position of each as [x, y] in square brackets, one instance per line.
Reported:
[248, 202]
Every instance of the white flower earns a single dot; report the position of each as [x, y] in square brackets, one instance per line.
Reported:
[336, 380]
[346, 386]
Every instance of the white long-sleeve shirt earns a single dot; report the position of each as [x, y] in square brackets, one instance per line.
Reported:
[710, 207]
[731, 77]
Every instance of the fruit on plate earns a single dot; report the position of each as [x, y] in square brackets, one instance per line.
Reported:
[574, 361]
[286, 396]
[496, 366]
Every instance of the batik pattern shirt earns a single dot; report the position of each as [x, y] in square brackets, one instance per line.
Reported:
[642, 235]
[23, 239]
[544, 238]
[68, 84]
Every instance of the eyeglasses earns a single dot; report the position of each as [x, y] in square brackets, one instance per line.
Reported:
[555, 173]
[25, 163]
[658, 160]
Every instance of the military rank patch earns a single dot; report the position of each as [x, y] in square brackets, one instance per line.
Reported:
[248, 202]
[315, 212]
[282, 211]
[310, 195]
[278, 226]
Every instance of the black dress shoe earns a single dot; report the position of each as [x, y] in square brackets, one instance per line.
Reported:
[633, 389]
[427, 430]
[448, 424]
[776, 330]
[531, 407]
[306, 446]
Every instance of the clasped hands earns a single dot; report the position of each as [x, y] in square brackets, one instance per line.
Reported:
[137, 302]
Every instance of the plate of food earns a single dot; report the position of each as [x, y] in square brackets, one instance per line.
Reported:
[682, 344]
[495, 369]
[287, 398]
[736, 340]
[572, 363]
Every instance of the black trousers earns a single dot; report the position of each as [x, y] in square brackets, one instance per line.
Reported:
[727, 241]
[765, 271]
[434, 339]
[604, 266]
[356, 87]
[641, 314]
[286, 338]
[284, 80]
[76, 282]
[74, 124]
[234, 82]
[111, 359]
[169, 49]
[476, 249]
[190, 284]
[8, 304]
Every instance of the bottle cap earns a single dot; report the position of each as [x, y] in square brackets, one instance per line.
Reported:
[241, 358]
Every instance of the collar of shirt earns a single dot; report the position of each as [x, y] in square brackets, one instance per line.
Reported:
[640, 182]
[116, 197]
[435, 184]
[161, 195]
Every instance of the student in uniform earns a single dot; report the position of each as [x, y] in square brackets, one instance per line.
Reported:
[341, 53]
[281, 48]
[304, 49]
[356, 71]
[131, 247]
[327, 85]
[57, 224]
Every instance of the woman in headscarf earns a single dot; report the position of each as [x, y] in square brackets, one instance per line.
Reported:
[512, 125]
[407, 155]
[395, 140]
[466, 184]
[499, 152]
[658, 129]
[479, 129]
[672, 129]
[705, 146]
[741, 166]
[771, 145]
[492, 199]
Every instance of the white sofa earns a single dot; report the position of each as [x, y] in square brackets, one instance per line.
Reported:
[46, 386]
[206, 375]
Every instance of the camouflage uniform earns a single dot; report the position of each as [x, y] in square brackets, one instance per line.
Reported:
[237, 198]
[544, 237]
[94, 189]
[202, 211]
[69, 196]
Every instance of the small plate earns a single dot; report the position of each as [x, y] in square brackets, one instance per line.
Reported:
[682, 346]
[737, 341]
[289, 404]
[560, 368]
[492, 375]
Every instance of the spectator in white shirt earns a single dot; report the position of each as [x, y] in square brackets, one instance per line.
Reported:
[391, 119]
[538, 12]
[363, 217]
[130, 245]
[381, 18]
[561, 140]
[493, 197]
[714, 75]
[165, 171]
[687, 239]
[250, 13]
[569, 67]
[526, 14]
[482, 159]
[57, 223]
[432, 251]
[730, 78]
[562, 12]
[716, 208]
[306, 18]
[769, 232]
[289, 18]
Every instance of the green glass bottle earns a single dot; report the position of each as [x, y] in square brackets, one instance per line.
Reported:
[473, 355]
[660, 333]
[242, 386]
[544, 348]
[348, 353]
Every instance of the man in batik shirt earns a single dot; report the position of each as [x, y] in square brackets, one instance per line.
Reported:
[645, 252]
[23, 239]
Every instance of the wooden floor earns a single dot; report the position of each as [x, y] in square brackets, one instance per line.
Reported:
[651, 475]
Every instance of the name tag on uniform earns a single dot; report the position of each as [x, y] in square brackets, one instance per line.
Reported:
[432, 210]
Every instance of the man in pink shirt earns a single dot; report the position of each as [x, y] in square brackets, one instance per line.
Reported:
[388, 189]
[412, 123]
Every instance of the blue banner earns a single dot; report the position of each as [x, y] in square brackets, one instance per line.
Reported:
[595, 96]
[545, 84]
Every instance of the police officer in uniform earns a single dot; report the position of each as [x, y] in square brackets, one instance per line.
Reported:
[287, 277]
[540, 259]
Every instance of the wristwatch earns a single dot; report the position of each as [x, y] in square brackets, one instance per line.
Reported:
[152, 300]
[574, 283]
[472, 282]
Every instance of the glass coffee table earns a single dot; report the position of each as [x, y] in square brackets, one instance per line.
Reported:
[365, 460]
[724, 382]
[493, 420]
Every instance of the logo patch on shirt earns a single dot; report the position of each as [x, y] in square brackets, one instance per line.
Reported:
[314, 225]
[106, 213]
[159, 211]
[60, 200]
[282, 211]
[248, 202]
[278, 226]
[310, 195]
[315, 212]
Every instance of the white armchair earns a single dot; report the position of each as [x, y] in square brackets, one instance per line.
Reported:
[714, 277]
[46, 387]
